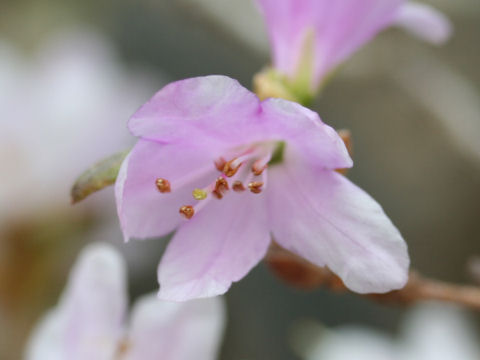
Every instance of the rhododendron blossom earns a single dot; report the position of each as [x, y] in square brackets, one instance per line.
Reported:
[88, 323]
[229, 172]
[309, 38]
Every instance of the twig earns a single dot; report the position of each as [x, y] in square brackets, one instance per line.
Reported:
[302, 274]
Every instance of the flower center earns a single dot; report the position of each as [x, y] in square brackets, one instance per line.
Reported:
[244, 171]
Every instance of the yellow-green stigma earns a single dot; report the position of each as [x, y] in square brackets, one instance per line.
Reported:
[199, 194]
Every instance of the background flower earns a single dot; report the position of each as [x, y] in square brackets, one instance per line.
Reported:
[310, 38]
[429, 332]
[89, 321]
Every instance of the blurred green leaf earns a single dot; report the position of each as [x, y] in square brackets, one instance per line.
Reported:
[99, 176]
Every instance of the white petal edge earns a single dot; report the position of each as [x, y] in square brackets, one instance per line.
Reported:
[424, 22]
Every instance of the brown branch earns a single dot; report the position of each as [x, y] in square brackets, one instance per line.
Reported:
[302, 274]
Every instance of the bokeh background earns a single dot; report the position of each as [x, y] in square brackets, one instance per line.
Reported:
[71, 74]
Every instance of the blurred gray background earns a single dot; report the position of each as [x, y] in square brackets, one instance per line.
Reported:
[413, 109]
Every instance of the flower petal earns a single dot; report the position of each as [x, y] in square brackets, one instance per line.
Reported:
[218, 246]
[87, 324]
[203, 110]
[323, 217]
[176, 331]
[425, 22]
[143, 210]
[304, 130]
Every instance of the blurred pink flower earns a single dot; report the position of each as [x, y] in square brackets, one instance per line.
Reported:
[60, 111]
[201, 137]
[310, 38]
[89, 321]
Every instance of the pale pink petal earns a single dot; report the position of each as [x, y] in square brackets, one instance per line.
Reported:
[425, 22]
[87, 323]
[144, 211]
[326, 219]
[287, 24]
[302, 129]
[204, 110]
[176, 331]
[218, 246]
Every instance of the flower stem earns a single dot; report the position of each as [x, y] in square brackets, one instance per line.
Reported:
[302, 274]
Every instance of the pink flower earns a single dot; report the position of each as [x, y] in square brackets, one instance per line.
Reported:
[310, 38]
[200, 166]
[89, 321]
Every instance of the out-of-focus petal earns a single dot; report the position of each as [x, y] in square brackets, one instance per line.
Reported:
[203, 111]
[176, 331]
[45, 342]
[87, 324]
[352, 343]
[425, 22]
[440, 332]
[303, 129]
[326, 219]
[143, 210]
[218, 246]
[287, 22]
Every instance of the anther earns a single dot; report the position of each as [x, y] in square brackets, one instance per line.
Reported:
[230, 168]
[163, 185]
[238, 186]
[255, 187]
[199, 194]
[258, 169]
[221, 186]
[187, 211]
[220, 164]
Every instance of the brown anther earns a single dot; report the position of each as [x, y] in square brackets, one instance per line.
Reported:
[221, 186]
[228, 170]
[220, 164]
[257, 171]
[217, 194]
[255, 187]
[187, 211]
[238, 186]
[163, 185]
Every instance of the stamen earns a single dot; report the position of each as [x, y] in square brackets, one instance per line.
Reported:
[187, 211]
[261, 164]
[238, 186]
[163, 185]
[199, 194]
[232, 166]
[220, 164]
[229, 169]
[255, 187]
[258, 170]
[221, 186]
